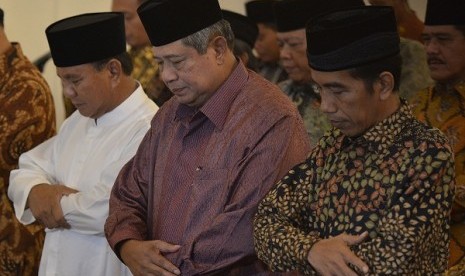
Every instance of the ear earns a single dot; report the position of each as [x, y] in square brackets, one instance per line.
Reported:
[115, 70]
[385, 85]
[220, 46]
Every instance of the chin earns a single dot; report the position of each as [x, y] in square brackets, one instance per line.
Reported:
[183, 100]
[296, 78]
[268, 59]
[442, 77]
[352, 132]
[84, 114]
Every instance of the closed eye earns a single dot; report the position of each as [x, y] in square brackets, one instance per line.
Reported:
[76, 82]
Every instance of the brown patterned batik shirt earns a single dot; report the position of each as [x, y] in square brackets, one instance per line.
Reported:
[27, 118]
[396, 182]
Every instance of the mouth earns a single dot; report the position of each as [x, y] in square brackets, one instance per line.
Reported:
[77, 105]
[336, 123]
[291, 69]
[177, 90]
[434, 61]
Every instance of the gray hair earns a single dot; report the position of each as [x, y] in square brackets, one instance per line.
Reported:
[199, 40]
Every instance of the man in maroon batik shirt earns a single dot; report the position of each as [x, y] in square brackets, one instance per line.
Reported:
[184, 204]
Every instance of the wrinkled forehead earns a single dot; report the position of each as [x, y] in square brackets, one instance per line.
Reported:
[74, 71]
[325, 77]
[295, 34]
[442, 30]
[174, 48]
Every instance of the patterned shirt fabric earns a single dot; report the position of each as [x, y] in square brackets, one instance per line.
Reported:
[396, 181]
[443, 107]
[147, 73]
[415, 75]
[27, 118]
[198, 175]
[275, 73]
[308, 104]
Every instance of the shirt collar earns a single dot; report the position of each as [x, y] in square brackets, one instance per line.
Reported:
[216, 109]
[381, 136]
[448, 89]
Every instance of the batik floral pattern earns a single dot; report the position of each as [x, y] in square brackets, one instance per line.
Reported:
[27, 118]
[396, 182]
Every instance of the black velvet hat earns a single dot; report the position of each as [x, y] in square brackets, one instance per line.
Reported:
[242, 27]
[260, 11]
[1, 17]
[352, 37]
[166, 21]
[291, 15]
[445, 12]
[86, 38]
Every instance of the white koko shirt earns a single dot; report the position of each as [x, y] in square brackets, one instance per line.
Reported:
[85, 155]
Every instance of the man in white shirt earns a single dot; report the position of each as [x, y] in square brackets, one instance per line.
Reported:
[65, 182]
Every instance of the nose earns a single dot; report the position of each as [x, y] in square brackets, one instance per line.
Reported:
[69, 91]
[168, 73]
[284, 52]
[328, 104]
[431, 46]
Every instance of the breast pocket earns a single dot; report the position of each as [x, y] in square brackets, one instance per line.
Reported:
[210, 190]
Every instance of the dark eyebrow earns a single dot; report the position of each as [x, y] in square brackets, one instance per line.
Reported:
[167, 57]
[293, 39]
[333, 85]
[69, 76]
[436, 34]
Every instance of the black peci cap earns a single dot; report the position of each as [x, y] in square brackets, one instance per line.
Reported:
[292, 15]
[166, 21]
[86, 38]
[352, 37]
[260, 11]
[242, 27]
[445, 12]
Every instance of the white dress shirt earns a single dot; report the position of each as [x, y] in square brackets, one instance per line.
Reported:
[85, 155]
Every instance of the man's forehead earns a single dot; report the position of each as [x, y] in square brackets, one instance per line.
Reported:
[330, 78]
[440, 29]
[173, 49]
[297, 34]
[73, 71]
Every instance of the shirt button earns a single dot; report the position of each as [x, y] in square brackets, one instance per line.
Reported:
[198, 169]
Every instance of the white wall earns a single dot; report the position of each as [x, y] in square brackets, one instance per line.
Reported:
[419, 6]
[26, 20]
[233, 5]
